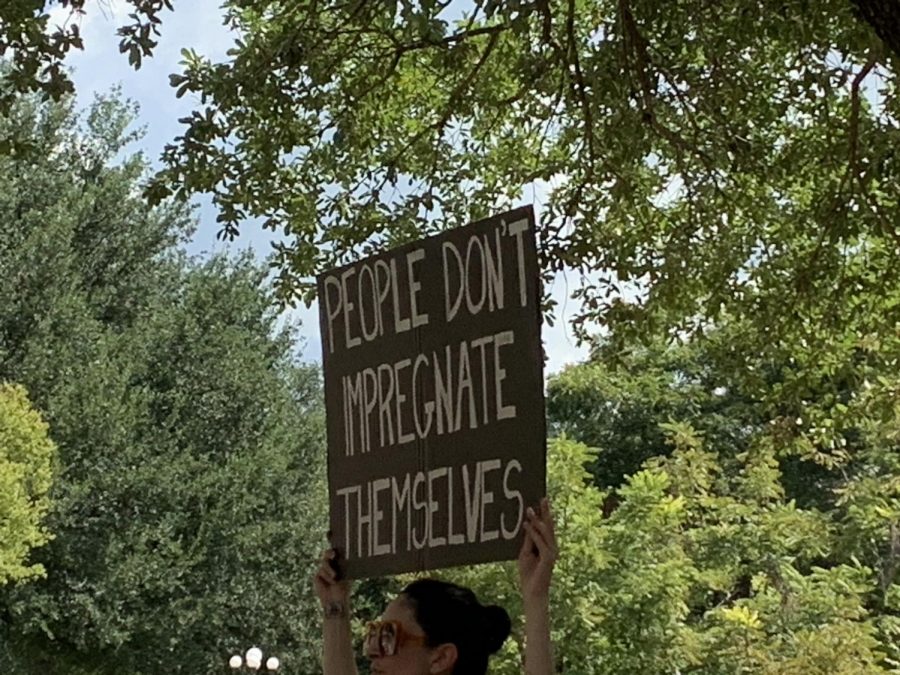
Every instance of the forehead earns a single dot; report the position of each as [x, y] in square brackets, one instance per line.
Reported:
[400, 610]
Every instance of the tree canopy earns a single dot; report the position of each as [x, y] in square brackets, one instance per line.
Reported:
[693, 159]
[190, 498]
[809, 489]
[705, 568]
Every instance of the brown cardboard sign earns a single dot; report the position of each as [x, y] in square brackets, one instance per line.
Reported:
[435, 398]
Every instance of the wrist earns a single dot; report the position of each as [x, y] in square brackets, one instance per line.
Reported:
[536, 603]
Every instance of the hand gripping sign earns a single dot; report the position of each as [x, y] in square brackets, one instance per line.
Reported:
[434, 396]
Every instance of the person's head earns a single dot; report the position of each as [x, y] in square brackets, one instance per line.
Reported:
[443, 630]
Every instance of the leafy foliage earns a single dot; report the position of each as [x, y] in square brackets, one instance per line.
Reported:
[724, 175]
[190, 504]
[699, 570]
[622, 405]
[36, 46]
[782, 497]
[699, 160]
[26, 472]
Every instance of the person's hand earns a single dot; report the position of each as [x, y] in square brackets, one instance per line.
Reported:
[538, 554]
[333, 594]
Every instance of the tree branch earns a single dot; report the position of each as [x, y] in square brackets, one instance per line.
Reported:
[580, 88]
[452, 39]
[858, 175]
[854, 115]
[884, 18]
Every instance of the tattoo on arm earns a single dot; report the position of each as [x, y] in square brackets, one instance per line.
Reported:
[335, 610]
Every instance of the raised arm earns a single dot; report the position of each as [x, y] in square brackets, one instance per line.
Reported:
[536, 560]
[337, 658]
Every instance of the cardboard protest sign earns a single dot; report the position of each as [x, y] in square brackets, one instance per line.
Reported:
[434, 395]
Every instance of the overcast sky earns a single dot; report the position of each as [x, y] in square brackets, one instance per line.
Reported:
[198, 25]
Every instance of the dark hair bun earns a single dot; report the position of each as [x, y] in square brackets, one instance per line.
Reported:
[450, 613]
[496, 627]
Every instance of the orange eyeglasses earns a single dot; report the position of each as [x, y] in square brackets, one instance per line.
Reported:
[384, 638]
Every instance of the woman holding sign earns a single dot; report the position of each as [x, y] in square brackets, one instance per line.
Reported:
[437, 628]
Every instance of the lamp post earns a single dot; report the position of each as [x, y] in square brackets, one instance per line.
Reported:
[253, 661]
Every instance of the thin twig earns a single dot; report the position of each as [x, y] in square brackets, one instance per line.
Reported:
[854, 114]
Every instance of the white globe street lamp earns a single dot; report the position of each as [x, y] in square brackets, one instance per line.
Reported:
[253, 660]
